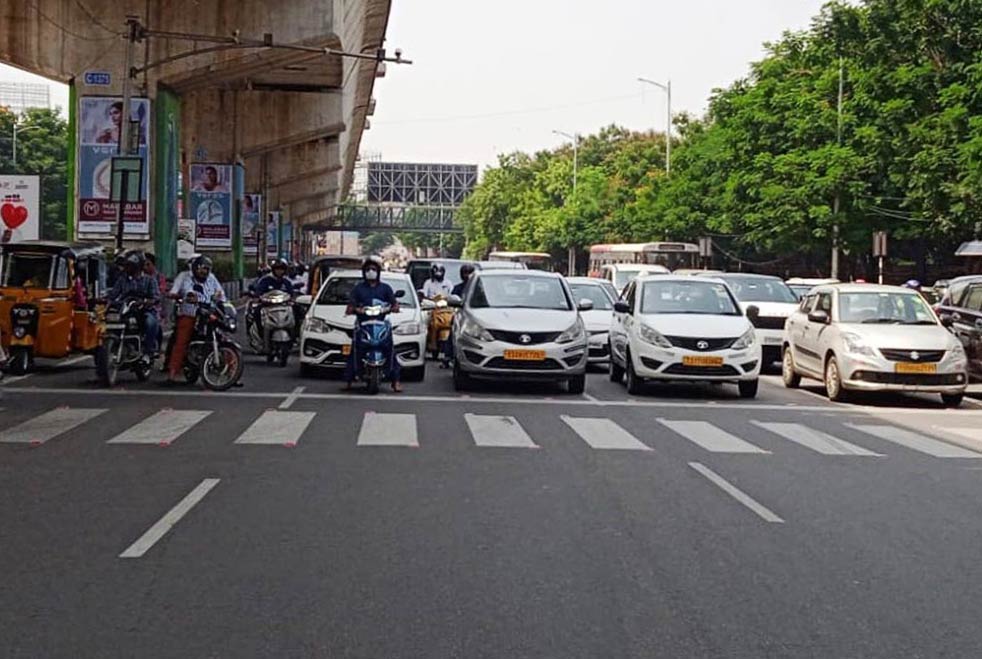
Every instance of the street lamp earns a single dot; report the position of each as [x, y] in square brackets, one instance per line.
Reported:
[571, 258]
[667, 88]
[16, 131]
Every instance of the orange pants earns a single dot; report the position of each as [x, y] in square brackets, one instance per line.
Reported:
[182, 337]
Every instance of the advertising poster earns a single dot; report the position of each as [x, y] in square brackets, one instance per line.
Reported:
[273, 234]
[252, 211]
[210, 204]
[100, 118]
[186, 239]
[20, 208]
[286, 233]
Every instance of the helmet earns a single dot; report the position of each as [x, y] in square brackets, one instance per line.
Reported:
[299, 267]
[200, 262]
[466, 270]
[133, 258]
[912, 283]
[437, 271]
[279, 264]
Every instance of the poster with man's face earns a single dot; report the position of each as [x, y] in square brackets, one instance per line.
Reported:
[251, 212]
[211, 204]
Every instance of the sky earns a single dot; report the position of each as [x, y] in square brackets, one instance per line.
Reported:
[494, 76]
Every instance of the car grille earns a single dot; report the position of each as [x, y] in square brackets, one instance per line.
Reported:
[690, 343]
[914, 379]
[519, 365]
[769, 322]
[709, 371]
[903, 355]
[514, 337]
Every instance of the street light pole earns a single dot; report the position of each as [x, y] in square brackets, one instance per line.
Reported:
[571, 257]
[667, 88]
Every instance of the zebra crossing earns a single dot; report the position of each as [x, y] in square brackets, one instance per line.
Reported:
[389, 430]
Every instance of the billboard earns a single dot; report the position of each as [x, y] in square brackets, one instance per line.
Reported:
[252, 210]
[273, 234]
[210, 202]
[100, 119]
[20, 208]
[420, 184]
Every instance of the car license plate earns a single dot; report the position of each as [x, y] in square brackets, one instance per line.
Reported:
[346, 350]
[700, 360]
[907, 367]
[525, 355]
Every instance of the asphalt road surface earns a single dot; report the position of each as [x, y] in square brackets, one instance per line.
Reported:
[289, 519]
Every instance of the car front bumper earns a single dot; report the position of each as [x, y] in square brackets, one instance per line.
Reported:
[325, 349]
[655, 363]
[874, 373]
[598, 348]
[480, 359]
[770, 341]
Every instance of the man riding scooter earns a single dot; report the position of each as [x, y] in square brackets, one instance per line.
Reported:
[134, 282]
[369, 292]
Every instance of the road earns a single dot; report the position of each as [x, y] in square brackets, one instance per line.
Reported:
[515, 521]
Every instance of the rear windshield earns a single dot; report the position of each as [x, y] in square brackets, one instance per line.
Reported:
[337, 291]
[593, 292]
[759, 289]
[419, 271]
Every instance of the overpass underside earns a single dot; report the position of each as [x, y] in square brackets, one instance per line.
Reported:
[291, 119]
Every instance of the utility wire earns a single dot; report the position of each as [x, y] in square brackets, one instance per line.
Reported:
[65, 30]
[95, 20]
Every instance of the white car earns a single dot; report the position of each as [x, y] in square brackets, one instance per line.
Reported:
[872, 338]
[683, 328]
[597, 319]
[622, 274]
[774, 302]
[325, 336]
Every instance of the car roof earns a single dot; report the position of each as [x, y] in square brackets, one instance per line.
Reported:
[865, 288]
[542, 274]
[686, 279]
[651, 267]
[592, 281]
[741, 275]
[348, 274]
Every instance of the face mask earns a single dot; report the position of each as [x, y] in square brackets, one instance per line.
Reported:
[371, 275]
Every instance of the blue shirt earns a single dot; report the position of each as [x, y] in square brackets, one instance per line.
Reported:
[270, 283]
[365, 295]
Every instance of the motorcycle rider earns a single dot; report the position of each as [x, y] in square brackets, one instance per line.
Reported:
[276, 280]
[365, 294]
[466, 271]
[437, 284]
[134, 282]
[204, 286]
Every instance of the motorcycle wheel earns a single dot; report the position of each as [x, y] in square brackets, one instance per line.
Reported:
[107, 368]
[373, 379]
[21, 361]
[222, 374]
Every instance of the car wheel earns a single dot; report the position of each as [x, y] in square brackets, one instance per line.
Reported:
[748, 388]
[952, 400]
[460, 379]
[833, 381]
[634, 383]
[615, 371]
[791, 379]
[576, 384]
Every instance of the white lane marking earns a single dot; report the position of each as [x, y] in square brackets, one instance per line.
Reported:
[813, 439]
[590, 397]
[388, 430]
[292, 398]
[48, 425]
[167, 522]
[914, 441]
[604, 434]
[277, 427]
[498, 431]
[164, 427]
[710, 437]
[973, 435]
[745, 499]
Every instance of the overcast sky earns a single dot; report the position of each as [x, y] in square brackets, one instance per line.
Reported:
[493, 76]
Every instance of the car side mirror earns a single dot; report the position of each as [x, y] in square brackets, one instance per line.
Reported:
[978, 323]
[306, 300]
[455, 301]
[585, 305]
[753, 313]
[819, 316]
[400, 294]
[427, 305]
[622, 307]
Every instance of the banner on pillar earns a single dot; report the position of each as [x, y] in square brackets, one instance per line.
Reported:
[186, 237]
[252, 211]
[273, 234]
[20, 208]
[100, 119]
[210, 204]
[286, 233]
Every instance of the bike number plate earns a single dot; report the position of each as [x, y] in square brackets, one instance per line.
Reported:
[115, 326]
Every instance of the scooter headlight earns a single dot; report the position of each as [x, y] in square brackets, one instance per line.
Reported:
[20, 332]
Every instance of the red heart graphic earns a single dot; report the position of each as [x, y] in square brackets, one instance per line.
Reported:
[13, 216]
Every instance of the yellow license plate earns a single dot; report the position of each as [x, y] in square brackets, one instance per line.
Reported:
[525, 355]
[699, 360]
[907, 367]
[346, 350]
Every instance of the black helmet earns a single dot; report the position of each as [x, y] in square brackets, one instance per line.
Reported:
[279, 263]
[466, 270]
[200, 262]
[133, 258]
[437, 271]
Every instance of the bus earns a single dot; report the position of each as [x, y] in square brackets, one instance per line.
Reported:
[532, 260]
[673, 256]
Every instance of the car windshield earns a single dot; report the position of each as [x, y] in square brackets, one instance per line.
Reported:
[520, 292]
[760, 289]
[27, 270]
[885, 308]
[593, 292]
[337, 291]
[687, 297]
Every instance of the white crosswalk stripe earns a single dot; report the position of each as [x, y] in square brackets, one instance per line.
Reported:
[604, 434]
[48, 425]
[388, 430]
[277, 427]
[498, 431]
[815, 440]
[164, 427]
[710, 437]
[915, 441]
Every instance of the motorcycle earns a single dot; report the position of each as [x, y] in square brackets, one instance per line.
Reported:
[122, 343]
[275, 334]
[439, 328]
[372, 332]
[212, 355]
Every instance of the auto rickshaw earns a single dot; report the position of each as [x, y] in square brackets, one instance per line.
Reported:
[50, 300]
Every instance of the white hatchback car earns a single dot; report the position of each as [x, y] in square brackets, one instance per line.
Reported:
[597, 319]
[872, 338]
[683, 328]
[325, 337]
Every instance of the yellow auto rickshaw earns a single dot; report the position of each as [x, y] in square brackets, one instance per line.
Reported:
[50, 300]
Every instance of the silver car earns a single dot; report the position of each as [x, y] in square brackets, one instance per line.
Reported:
[522, 325]
[872, 338]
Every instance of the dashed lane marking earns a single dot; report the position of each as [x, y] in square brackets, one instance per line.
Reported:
[167, 522]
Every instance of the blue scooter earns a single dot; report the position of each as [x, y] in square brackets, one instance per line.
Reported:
[371, 341]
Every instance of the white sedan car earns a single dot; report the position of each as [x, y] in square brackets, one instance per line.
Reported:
[597, 319]
[669, 327]
[872, 338]
[325, 337]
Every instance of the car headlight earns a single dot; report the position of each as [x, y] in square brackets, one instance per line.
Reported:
[314, 324]
[854, 344]
[576, 332]
[746, 340]
[408, 328]
[654, 337]
[474, 331]
[957, 350]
